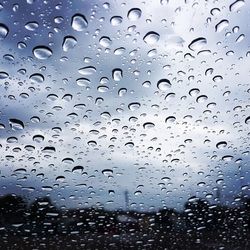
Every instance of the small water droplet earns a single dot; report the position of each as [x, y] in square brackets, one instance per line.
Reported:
[105, 41]
[116, 20]
[79, 22]
[163, 84]
[117, 75]
[134, 106]
[42, 52]
[221, 25]
[4, 31]
[197, 44]
[69, 42]
[31, 26]
[16, 124]
[86, 71]
[134, 14]
[151, 38]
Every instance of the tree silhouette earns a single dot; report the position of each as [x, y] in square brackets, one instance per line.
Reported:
[12, 209]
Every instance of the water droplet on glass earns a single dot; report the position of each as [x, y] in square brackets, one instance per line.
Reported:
[134, 14]
[116, 20]
[197, 44]
[3, 31]
[36, 78]
[227, 158]
[221, 144]
[86, 71]
[134, 106]
[31, 26]
[79, 22]
[3, 75]
[170, 119]
[77, 169]
[105, 41]
[201, 98]
[129, 144]
[122, 92]
[235, 6]
[151, 38]
[69, 42]
[83, 82]
[221, 25]
[38, 138]
[247, 120]
[148, 125]
[107, 172]
[16, 124]
[49, 150]
[42, 52]
[117, 74]
[163, 84]
[119, 51]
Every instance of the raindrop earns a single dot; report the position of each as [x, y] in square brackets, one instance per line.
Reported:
[137, 193]
[52, 97]
[3, 31]
[146, 84]
[227, 158]
[235, 6]
[86, 71]
[69, 42]
[129, 144]
[16, 124]
[42, 52]
[170, 119]
[151, 38]
[119, 51]
[247, 120]
[217, 78]
[31, 26]
[60, 178]
[148, 125]
[122, 92]
[77, 169]
[134, 14]
[79, 22]
[105, 41]
[49, 150]
[36, 78]
[102, 89]
[116, 20]
[194, 92]
[201, 98]
[221, 144]
[117, 75]
[68, 160]
[197, 44]
[35, 119]
[134, 106]
[92, 143]
[12, 139]
[163, 84]
[3, 75]
[38, 138]
[221, 25]
[107, 172]
[83, 82]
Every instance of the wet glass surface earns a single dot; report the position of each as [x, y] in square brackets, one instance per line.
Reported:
[124, 124]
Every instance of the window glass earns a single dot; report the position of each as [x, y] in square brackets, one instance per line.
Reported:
[124, 124]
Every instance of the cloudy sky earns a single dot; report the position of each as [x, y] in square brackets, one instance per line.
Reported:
[146, 96]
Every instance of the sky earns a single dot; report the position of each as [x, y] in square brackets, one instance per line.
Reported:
[147, 96]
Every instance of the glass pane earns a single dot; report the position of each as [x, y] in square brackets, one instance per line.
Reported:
[124, 124]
